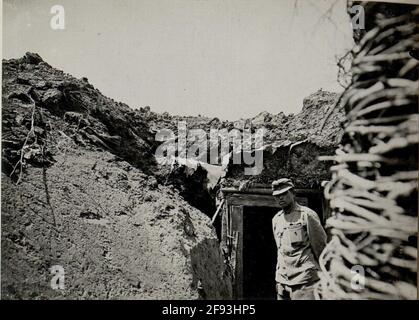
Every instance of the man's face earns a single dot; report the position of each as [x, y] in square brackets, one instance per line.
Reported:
[285, 199]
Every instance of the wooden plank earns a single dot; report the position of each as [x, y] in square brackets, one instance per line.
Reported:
[269, 191]
[230, 229]
[237, 227]
[233, 256]
[217, 211]
[253, 200]
[225, 230]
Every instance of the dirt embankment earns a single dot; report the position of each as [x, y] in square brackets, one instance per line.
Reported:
[82, 189]
[293, 143]
[77, 191]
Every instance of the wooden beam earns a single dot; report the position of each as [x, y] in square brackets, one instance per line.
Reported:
[225, 232]
[251, 200]
[237, 227]
[257, 200]
[268, 191]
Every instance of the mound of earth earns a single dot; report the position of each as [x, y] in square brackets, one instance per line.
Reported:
[280, 127]
[82, 189]
[293, 143]
[78, 191]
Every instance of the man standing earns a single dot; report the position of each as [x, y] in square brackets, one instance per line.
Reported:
[300, 239]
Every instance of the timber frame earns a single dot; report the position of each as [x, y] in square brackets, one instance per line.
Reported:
[235, 201]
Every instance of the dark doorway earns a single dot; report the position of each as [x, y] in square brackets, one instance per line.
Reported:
[259, 253]
[315, 203]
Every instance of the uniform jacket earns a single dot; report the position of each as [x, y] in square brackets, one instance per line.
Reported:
[299, 242]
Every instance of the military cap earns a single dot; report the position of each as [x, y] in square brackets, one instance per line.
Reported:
[281, 185]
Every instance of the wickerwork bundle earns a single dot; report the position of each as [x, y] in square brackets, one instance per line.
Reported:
[372, 195]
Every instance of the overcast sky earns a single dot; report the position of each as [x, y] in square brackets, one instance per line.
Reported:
[229, 58]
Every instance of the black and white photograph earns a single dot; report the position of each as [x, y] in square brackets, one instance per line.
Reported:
[220, 150]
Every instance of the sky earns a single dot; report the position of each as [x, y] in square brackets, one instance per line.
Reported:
[229, 59]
